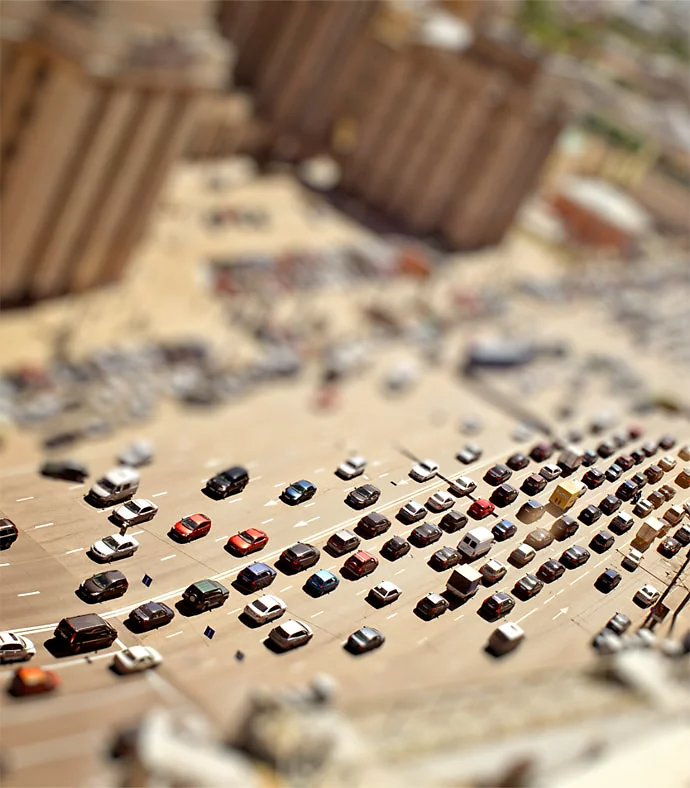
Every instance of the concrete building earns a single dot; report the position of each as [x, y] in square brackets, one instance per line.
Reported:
[98, 99]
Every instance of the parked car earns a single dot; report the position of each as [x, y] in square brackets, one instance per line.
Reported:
[365, 639]
[69, 470]
[533, 484]
[574, 556]
[647, 595]
[151, 615]
[385, 593]
[517, 461]
[682, 535]
[654, 474]
[432, 606]
[445, 558]
[352, 467]
[656, 498]
[590, 514]
[605, 449]
[530, 511]
[649, 448]
[360, 564]
[624, 461]
[412, 512]
[373, 524]
[610, 504]
[667, 491]
[299, 492]
[614, 472]
[135, 512]
[425, 534]
[608, 580]
[8, 533]
[670, 547]
[643, 508]
[550, 472]
[619, 623]
[541, 452]
[424, 471]
[493, 571]
[205, 595]
[228, 482]
[440, 501]
[113, 548]
[248, 541]
[621, 523]
[497, 605]
[15, 648]
[638, 456]
[342, 542]
[361, 497]
[667, 442]
[300, 556]
[480, 509]
[33, 681]
[632, 560]
[104, 585]
[137, 454]
[463, 485]
[522, 555]
[194, 526]
[469, 454]
[136, 659]
[321, 582]
[564, 527]
[396, 547]
[550, 570]
[527, 587]
[626, 490]
[594, 478]
[290, 634]
[453, 521]
[497, 474]
[589, 457]
[264, 609]
[504, 530]
[504, 495]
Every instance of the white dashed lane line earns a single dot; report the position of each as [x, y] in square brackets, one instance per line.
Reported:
[287, 588]
[280, 484]
[527, 615]
[320, 613]
[235, 500]
[319, 470]
[76, 550]
[383, 475]
[174, 634]
[308, 505]
[7, 564]
[29, 593]
[28, 498]
[265, 522]
[363, 591]
[399, 572]
[392, 615]
[45, 525]
[168, 557]
[158, 495]
[75, 486]
[577, 579]
[236, 610]
[459, 617]
[220, 538]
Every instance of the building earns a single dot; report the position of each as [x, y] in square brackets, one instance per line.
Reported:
[98, 99]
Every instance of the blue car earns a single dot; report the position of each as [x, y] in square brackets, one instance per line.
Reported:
[504, 530]
[299, 491]
[322, 582]
[255, 577]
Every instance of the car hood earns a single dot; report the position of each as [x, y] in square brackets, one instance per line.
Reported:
[91, 588]
[126, 514]
[292, 492]
[101, 548]
[98, 491]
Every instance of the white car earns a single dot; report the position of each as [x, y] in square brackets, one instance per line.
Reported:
[647, 595]
[440, 501]
[290, 634]
[114, 547]
[15, 648]
[632, 560]
[550, 472]
[522, 555]
[266, 608]
[385, 593]
[469, 454]
[136, 511]
[667, 463]
[138, 454]
[136, 658]
[412, 511]
[352, 467]
[684, 452]
[464, 485]
[424, 470]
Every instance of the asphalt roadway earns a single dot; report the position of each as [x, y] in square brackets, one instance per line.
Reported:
[57, 740]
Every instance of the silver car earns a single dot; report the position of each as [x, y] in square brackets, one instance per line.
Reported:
[266, 608]
[290, 634]
[138, 510]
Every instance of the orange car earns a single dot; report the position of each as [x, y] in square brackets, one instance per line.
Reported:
[248, 541]
[33, 680]
[192, 527]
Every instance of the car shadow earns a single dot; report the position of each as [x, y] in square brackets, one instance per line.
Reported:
[186, 610]
[241, 588]
[271, 646]
[59, 650]
[285, 569]
[248, 621]
[212, 494]
[333, 552]
[371, 600]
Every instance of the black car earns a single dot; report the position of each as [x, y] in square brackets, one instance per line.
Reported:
[638, 456]
[533, 484]
[445, 558]
[453, 521]
[667, 442]
[504, 495]
[610, 504]
[606, 449]
[373, 524]
[432, 606]
[363, 496]
[626, 490]
[574, 556]
[69, 470]
[396, 547]
[654, 474]
[104, 585]
[541, 452]
[589, 457]
[497, 475]
[602, 541]
[624, 461]
[425, 534]
[669, 547]
[621, 523]
[639, 479]
[527, 587]
[517, 461]
[300, 556]
[298, 492]
[649, 449]
[682, 535]
[608, 580]
[550, 570]
[590, 514]
[8, 533]
[594, 478]
[614, 472]
[228, 482]
[151, 615]
[567, 526]
[504, 530]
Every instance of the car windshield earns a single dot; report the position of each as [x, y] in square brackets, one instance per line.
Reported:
[109, 541]
[99, 580]
[106, 483]
[226, 477]
[429, 465]
[248, 537]
[189, 523]
[301, 486]
[133, 506]
[260, 606]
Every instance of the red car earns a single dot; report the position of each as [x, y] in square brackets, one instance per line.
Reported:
[248, 541]
[192, 527]
[31, 681]
[361, 563]
[480, 509]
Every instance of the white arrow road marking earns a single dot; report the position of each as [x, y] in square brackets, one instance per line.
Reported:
[301, 524]
[561, 612]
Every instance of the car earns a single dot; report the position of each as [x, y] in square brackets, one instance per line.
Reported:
[493, 571]
[667, 491]
[469, 454]
[640, 480]
[605, 449]
[425, 534]
[684, 452]
[33, 681]
[497, 605]
[361, 497]
[656, 499]
[248, 541]
[638, 456]
[497, 474]
[504, 530]
[550, 570]
[517, 461]
[365, 639]
[550, 472]
[412, 512]
[541, 452]
[298, 492]
[667, 442]
[594, 478]
[626, 490]
[373, 524]
[574, 556]
[68, 470]
[619, 623]
[453, 521]
[533, 484]
[445, 558]
[610, 504]
[290, 634]
[136, 658]
[385, 593]
[522, 555]
[504, 495]
[264, 609]
[15, 648]
[590, 514]
[649, 448]
[607, 642]
[682, 535]
[614, 472]
[480, 509]
[589, 457]
[113, 548]
[531, 511]
[527, 587]
[624, 461]
[396, 547]
[150, 615]
[300, 556]
[463, 485]
[669, 547]
[8, 533]
[646, 596]
[608, 580]
[424, 471]
[643, 508]
[683, 478]
[342, 542]
[564, 527]
[539, 538]
[432, 606]
[653, 473]
[228, 482]
[351, 468]
[632, 560]
[360, 564]
[136, 454]
[104, 585]
[135, 512]
[667, 463]
[321, 582]
[440, 501]
[621, 523]
[194, 526]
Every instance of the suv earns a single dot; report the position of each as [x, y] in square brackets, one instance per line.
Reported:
[205, 595]
[360, 564]
[342, 542]
[497, 605]
[373, 524]
[84, 633]
[115, 487]
[300, 556]
[102, 586]
[602, 541]
[228, 482]
[453, 521]
[8, 533]
[255, 577]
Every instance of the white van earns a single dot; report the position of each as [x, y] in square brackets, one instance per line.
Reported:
[476, 542]
[116, 486]
[506, 638]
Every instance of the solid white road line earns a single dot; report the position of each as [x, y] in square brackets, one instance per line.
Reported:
[28, 498]
[45, 525]
[168, 557]
[76, 550]
[29, 593]
[4, 564]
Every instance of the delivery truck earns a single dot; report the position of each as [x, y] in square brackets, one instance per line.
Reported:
[566, 493]
[464, 582]
[650, 529]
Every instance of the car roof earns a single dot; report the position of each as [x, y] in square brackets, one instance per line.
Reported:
[292, 627]
[122, 475]
[207, 585]
[361, 555]
[9, 637]
[324, 574]
[387, 585]
[367, 632]
[344, 535]
[258, 568]
[435, 598]
[112, 575]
